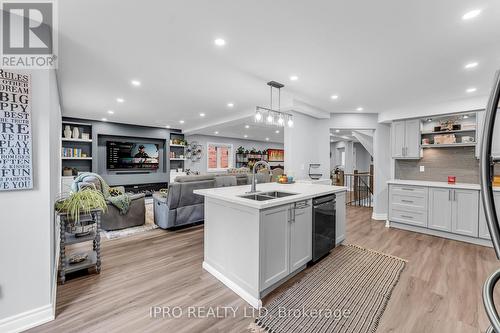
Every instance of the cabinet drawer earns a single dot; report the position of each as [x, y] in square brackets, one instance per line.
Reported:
[415, 191]
[408, 201]
[418, 218]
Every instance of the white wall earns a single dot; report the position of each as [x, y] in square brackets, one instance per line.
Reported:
[27, 224]
[382, 165]
[416, 111]
[201, 165]
[308, 141]
[363, 158]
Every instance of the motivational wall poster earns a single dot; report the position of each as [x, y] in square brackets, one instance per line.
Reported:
[16, 171]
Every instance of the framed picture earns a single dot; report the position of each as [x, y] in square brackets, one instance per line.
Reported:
[275, 155]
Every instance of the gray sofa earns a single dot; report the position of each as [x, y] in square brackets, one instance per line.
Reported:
[113, 219]
[181, 206]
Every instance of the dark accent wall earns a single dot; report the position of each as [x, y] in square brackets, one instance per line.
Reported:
[104, 131]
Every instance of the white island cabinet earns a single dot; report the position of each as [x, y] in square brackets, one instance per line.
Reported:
[253, 246]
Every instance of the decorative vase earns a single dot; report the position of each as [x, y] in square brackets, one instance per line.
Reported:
[76, 133]
[67, 132]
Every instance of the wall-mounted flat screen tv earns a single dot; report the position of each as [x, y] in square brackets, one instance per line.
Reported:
[131, 155]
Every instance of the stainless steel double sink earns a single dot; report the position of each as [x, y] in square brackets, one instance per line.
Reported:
[263, 196]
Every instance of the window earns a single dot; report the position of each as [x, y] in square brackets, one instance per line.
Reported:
[219, 157]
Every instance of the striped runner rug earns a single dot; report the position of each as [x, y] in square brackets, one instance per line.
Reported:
[346, 292]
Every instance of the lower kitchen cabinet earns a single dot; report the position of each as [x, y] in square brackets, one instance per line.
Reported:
[465, 212]
[300, 226]
[440, 209]
[275, 245]
[483, 227]
[340, 217]
[455, 213]
[454, 210]
[286, 241]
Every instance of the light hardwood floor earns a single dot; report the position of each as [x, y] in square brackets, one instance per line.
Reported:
[439, 291]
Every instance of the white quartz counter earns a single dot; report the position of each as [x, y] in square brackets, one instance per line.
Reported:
[465, 186]
[303, 192]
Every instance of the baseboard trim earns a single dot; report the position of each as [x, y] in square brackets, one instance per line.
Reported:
[443, 234]
[26, 320]
[379, 217]
[255, 302]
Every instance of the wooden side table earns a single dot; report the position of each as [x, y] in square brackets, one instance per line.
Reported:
[93, 256]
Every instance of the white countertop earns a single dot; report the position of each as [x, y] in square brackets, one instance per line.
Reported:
[304, 191]
[465, 186]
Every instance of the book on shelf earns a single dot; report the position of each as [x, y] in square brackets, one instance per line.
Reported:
[72, 152]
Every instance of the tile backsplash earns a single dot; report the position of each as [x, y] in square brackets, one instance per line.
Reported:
[440, 163]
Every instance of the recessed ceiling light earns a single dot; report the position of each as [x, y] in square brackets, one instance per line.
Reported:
[294, 77]
[216, 132]
[104, 119]
[267, 139]
[277, 132]
[471, 65]
[336, 131]
[111, 111]
[181, 121]
[219, 42]
[202, 114]
[230, 105]
[471, 90]
[135, 83]
[245, 136]
[472, 14]
[334, 97]
[359, 109]
[120, 100]
[247, 126]
[465, 116]
[167, 126]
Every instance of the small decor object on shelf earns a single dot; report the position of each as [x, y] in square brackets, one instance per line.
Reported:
[467, 139]
[452, 179]
[426, 141]
[437, 128]
[448, 124]
[76, 133]
[67, 132]
[445, 139]
[67, 172]
[240, 150]
[85, 136]
[77, 258]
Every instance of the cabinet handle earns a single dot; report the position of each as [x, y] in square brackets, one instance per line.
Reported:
[407, 216]
[449, 195]
[454, 195]
[402, 151]
[409, 201]
[407, 189]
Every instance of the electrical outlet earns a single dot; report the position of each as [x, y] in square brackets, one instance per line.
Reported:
[422, 168]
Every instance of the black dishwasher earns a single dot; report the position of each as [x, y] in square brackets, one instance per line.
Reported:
[323, 226]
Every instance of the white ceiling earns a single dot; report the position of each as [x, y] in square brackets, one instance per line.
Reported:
[376, 54]
[237, 129]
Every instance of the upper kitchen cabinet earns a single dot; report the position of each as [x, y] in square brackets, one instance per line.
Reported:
[495, 143]
[405, 137]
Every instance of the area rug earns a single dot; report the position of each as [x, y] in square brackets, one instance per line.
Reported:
[347, 291]
[148, 226]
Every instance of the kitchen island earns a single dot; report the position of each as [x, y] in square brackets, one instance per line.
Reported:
[255, 242]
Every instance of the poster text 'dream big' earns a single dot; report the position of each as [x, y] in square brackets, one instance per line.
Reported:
[16, 171]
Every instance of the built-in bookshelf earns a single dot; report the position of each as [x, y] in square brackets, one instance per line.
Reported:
[177, 151]
[76, 148]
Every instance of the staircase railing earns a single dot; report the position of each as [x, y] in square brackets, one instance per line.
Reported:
[359, 188]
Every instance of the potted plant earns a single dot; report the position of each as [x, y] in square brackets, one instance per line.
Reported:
[78, 210]
[240, 150]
